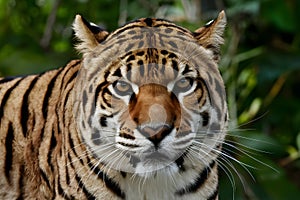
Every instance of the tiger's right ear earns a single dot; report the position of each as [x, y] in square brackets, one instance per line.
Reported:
[89, 34]
[210, 36]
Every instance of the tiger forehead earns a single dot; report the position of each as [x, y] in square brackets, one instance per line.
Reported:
[149, 55]
[150, 65]
[162, 24]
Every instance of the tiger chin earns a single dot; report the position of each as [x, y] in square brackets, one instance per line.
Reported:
[142, 115]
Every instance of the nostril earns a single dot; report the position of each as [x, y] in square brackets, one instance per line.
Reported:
[136, 120]
[156, 134]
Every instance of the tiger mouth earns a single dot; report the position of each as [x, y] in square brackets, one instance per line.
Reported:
[157, 156]
[159, 163]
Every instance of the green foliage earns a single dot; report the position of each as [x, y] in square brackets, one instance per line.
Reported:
[260, 65]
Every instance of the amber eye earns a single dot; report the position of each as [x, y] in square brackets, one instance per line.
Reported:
[183, 85]
[122, 88]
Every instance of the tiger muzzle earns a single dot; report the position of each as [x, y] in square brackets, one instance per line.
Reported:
[155, 112]
[156, 134]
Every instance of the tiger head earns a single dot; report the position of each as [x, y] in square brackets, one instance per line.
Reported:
[149, 95]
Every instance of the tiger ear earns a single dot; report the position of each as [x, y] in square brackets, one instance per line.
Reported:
[210, 36]
[89, 34]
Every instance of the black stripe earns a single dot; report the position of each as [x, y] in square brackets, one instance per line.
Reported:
[179, 162]
[67, 175]
[126, 135]
[175, 68]
[148, 21]
[198, 182]
[205, 118]
[62, 192]
[66, 73]
[128, 69]
[220, 91]
[124, 174]
[96, 138]
[99, 88]
[77, 178]
[172, 55]
[214, 194]
[74, 75]
[91, 88]
[96, 96]
[141, 43]
[134, 161]
[118, 73]
[53, 192]
[88, 195]
[67, 96]
[122, 29]
[84, 100]
[172, 26]
[9, 151]
[6, 96]
[173, 44]
[8, 79]
[142, 68]
[24, 108]
[129, 47]
[49, 93]
[21, 187]
[73, 149]
[45, 178]
[69, 160]
[186, 70]
[166, 24]
[53, 144]
[103, 121]
[106, 74]
[111, 184]
[207, 89]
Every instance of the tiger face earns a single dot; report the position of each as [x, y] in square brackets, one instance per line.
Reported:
[157, 102]
[149, 97]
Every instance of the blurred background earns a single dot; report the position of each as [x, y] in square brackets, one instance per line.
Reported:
[260, 65]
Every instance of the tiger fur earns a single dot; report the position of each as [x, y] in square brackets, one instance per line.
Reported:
[141, 116]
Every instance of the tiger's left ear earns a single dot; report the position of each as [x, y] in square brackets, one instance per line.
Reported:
[89, 34]
[210, 36]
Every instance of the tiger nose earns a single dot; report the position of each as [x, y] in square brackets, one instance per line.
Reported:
[157, 114]
[156, 129]
[156, 134]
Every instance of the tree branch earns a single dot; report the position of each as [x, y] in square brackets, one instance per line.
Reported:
[45, 41]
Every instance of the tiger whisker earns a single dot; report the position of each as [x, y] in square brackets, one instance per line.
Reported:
[227, 161]
[253, 120]
[231, 142]
[85, 153]
[224, 154]
[83, 144]
[250, 139]
[80, 182]
[229, 174]
[252, 157]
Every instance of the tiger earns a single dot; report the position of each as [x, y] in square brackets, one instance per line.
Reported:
[142, 115]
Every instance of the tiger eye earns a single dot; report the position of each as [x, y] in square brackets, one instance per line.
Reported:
[122, 88]
[183, 85]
